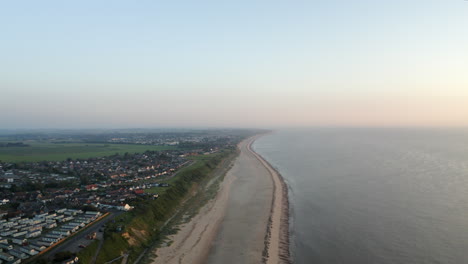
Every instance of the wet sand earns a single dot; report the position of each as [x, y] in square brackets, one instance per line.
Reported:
[245, 223]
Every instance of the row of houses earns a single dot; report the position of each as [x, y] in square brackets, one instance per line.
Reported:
[22, 238]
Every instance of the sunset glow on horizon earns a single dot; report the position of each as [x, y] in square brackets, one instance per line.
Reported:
[116, 64]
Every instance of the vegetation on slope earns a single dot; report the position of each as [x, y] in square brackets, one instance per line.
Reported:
[140, 228]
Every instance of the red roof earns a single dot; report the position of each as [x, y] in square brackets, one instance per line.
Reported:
[92, 186]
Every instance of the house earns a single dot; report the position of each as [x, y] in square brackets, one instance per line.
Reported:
[125, 207]
[139, 191]
[91, 187]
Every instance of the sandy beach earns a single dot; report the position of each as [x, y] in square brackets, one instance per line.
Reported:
[247, 222]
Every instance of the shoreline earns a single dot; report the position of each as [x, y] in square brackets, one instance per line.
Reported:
[191, 244]
[207, 237]
[277, 237]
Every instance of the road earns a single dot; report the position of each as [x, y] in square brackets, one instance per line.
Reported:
[78, 239]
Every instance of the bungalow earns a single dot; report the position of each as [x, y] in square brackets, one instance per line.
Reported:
[18, 234]
[45, 243]
[93, 213]
[50, 225]
[34, 233]
[34, 228]
[76, 224]
[19, 241]
[18, 254]
[66, 219]
[10, 225]
[54, 236]
[71, 228]
[61, 232]
[6, 256]
[122, 207]
[73, 212]
[58, 217]
[16, 261]
[29, 250]
[24, 221]
[41, 216]
[7, 232]
[6, 246]
[37, 246]
[51, 216]
[50, 239]
[83, 220]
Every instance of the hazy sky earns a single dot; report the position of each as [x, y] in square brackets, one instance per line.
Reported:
[70, 64]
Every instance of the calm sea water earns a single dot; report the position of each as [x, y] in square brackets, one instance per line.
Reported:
[374, 195]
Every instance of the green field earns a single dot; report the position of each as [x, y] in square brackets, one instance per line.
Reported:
[56, 152]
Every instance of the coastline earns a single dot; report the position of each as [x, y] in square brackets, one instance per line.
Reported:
[220, 230]
[277, 238]
[191, 244]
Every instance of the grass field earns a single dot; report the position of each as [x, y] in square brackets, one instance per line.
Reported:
[56, 152]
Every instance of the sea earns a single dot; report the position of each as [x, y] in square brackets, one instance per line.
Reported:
[374, 195]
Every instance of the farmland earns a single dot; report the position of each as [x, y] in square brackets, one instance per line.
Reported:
[39, 151]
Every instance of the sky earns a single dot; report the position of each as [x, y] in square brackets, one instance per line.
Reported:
[120, 64]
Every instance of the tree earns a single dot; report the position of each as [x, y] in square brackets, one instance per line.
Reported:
[61, 256]
[41, 261]
[84, 179]
[89, 208]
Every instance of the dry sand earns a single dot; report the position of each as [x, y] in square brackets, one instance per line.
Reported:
[247, 222]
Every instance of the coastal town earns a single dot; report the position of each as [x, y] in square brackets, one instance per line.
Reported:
[45, 202]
